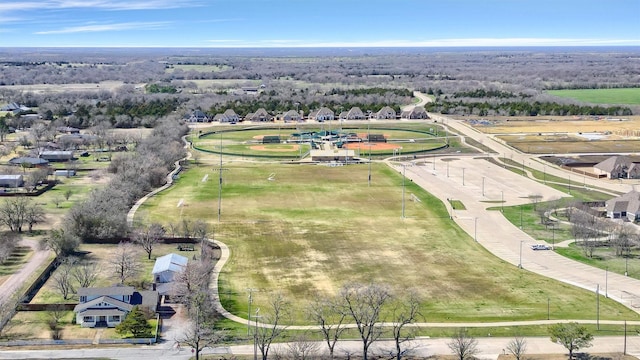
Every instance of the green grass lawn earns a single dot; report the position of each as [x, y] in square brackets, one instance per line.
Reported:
[315, 228]
[629, 96]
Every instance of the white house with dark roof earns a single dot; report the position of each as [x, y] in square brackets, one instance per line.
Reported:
[11, 181]
[107, 307]
[261, 115]
[355, 114]
[624, 206]
[618, 167]
[197, 116]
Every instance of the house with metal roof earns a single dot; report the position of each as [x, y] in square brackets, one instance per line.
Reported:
[11, 181]
[56, 155]
[107, 307]
[28, 161]
[167, 266]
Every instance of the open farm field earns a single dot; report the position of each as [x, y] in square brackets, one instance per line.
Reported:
[62, 88]
[562, 144]
[570, 124]
[307, 230]
[627, 96]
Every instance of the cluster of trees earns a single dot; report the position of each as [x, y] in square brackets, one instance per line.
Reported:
[482, 93]
[522, 108]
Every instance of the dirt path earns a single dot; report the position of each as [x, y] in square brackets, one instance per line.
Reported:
[18, 279]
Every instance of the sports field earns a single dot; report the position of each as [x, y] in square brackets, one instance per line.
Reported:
[626, 96]
[308, 229]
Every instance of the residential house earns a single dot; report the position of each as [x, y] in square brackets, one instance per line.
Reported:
[166, 267]
[68, 130]
[618, 167]
[261, 115]
[386, 112]
[355, 114]
[416, 112]
[28, 162]
[625, 206]
[197, 116]
[56, 155]
[229, 116]
[322, 114]
[107, 307]
[15, 108]
[291, 116]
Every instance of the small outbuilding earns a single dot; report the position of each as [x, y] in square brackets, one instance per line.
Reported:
[166, 267]
[11, 181]
[56, 155]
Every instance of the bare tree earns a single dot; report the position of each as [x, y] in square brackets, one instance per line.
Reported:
[85, 273]
[517, 347]
[193, 279]
[201, 332]
[34, 215]
[8, 241]
[148, 237]
[62, 280]
[406, 312]
[302, 348]
[329, 315]
[622, 240]
[13, 212]
[463, 346]
[54, 318]
[124, 262]
[265, 335]
[364, 304]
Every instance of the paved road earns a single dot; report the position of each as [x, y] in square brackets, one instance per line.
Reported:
[489, 348]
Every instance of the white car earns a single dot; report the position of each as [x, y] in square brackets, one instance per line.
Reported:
[540, 247]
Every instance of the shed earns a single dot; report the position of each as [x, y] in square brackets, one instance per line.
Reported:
[167, 266]
[66, 173]
[11, 181]
[56, 155]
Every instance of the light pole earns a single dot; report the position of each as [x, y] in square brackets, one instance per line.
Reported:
[569, 184]
[553, 236]
[462, 176]
[447, 169]
[483, 186]
[626, 265]
[606, 282]
[369, 140]
[250, 290]
[598, 306]
[520, 216]
[220, 182]
[544, 167]
[255, 336]
[520, 262]
[475, 229]
[404, 169]
[501, 201]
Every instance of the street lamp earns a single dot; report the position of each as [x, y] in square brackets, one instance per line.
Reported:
[475, 229]
[404, 169]
[606, 282]
[520, 262]
[255, 336]
[483, 186]
[462, 176]
[501, 201]
[626, 265]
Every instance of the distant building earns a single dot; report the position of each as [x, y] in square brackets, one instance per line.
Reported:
[197, 116]
[56, 155]
[28, 161]
[228, 116]
[618, 167]
[11, 181]
[261, 115]
[322, 114]
[386, 112]
[625, 206]
[417, 112]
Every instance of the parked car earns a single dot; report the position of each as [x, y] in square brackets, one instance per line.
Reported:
[540, 247]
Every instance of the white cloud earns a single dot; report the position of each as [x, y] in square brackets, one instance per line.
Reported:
[98, 4]
[106, 27]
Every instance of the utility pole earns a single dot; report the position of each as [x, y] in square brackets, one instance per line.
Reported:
[250, 290]
[598, 306]
[404, 169]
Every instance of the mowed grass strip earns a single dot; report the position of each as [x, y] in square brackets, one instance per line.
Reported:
[314, 228]
[628, 96]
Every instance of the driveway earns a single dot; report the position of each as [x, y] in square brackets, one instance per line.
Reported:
[17, 280]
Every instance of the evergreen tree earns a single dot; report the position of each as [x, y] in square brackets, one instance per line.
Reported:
[135, 323]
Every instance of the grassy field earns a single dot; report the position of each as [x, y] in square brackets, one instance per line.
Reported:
[562, 144]
[558, 124]
[240, 142]
[315, 228]
[627, 96]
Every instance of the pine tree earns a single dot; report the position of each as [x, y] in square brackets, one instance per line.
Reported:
[135, 323]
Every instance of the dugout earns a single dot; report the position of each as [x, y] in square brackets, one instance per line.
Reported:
[271, 139]
[376, 138]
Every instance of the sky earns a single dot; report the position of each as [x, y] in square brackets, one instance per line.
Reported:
[318, 23]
